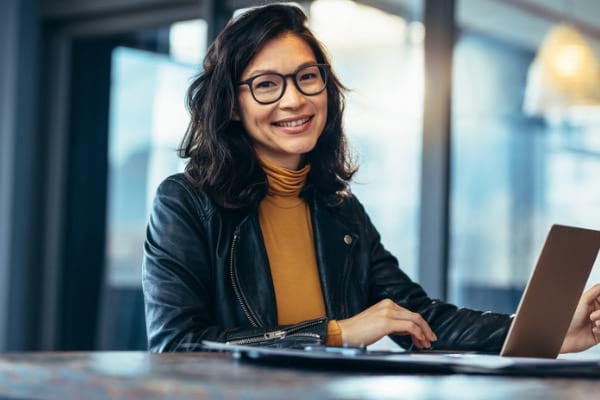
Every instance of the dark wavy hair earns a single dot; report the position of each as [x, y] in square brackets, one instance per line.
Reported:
[222, 159]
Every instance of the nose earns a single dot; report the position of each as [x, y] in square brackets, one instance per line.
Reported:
[292, 97]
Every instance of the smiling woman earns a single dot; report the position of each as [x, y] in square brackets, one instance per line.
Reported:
[252, 59]
[284, 121]
[261, 240]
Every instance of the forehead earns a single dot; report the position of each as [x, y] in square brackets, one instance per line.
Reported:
[282, 54]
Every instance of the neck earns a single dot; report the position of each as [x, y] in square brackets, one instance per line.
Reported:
[293, 163]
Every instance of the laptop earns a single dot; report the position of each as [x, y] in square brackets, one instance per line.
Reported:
[551, 296]
[552, 293]
[534, 338]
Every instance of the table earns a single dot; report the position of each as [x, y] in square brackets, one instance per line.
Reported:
[140, 375]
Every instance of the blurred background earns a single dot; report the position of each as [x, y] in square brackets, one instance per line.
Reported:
[476, 124]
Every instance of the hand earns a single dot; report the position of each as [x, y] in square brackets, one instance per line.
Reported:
[584, 331]
[384, 318]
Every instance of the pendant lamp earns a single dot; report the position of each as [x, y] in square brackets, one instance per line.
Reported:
[564, 73]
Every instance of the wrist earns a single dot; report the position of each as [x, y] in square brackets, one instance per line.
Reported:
[334, 334]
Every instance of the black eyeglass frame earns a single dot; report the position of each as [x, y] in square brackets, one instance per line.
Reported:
[284, 77]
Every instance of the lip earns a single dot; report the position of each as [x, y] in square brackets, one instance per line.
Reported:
[295, 129]
[295, 118]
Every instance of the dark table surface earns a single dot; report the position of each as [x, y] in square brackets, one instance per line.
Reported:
[140, 375]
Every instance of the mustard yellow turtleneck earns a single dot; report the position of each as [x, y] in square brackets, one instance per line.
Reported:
[285, 222]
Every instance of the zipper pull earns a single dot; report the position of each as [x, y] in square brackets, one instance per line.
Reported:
[274, 335]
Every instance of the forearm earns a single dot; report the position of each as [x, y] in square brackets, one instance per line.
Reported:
[464, 329]
[461, 328]
[173, 336]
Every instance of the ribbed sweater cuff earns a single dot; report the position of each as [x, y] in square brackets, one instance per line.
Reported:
[334, 334]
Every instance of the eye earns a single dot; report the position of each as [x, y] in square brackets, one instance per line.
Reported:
[264, 84]
[307, 76]
[267, 82]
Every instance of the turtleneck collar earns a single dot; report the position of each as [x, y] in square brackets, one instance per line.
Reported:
[283, 182]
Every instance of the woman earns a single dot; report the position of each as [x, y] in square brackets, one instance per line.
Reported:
[261, 241]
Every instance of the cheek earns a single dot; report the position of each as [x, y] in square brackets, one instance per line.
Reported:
[251, 113]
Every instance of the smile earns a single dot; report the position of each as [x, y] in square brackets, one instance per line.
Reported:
[294, 123]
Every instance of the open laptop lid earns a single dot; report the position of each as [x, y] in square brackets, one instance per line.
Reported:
[552, 293]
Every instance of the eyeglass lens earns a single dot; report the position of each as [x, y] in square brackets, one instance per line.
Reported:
[269, 87]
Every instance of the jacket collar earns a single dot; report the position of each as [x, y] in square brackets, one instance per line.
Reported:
[334, 242]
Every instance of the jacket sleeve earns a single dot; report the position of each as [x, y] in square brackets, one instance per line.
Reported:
[456, 328]
[177, 279]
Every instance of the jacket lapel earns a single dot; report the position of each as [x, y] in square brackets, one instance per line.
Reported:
[334, 243]
[252, 267]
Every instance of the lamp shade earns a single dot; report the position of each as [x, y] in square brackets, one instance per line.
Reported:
[564, 73]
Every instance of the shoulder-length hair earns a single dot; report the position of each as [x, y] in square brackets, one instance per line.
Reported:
[222, 159]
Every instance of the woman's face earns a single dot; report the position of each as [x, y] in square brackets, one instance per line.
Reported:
[285, 130]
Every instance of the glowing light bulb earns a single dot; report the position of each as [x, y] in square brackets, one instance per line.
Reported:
[568, 60]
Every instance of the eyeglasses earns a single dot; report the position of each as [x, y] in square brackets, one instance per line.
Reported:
[269, 87]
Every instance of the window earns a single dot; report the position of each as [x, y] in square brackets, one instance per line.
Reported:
[513, 175]
[147, 120]
[384, 72]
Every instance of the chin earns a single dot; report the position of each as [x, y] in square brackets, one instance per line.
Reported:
[301, 149]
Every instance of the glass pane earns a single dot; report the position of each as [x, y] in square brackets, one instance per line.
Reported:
[147, 122]
[513, 174]
[379, 57]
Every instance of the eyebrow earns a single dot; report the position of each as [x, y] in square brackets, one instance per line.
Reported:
[270, 71]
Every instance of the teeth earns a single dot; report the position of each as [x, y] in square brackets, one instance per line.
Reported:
[292, 124]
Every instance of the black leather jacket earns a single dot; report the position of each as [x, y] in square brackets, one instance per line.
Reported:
[206, 277]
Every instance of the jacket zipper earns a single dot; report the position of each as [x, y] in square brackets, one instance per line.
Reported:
[280, 334]
[234, 281]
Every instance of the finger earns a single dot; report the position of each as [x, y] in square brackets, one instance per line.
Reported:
[595, 316]
[416, 343]
[387, 304]
[419, 344]
[403, 313]
[408, 327]
[592, 294]
[426, 328]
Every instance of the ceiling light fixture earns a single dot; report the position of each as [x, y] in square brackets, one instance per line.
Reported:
[564, 73]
